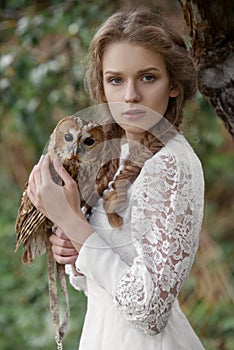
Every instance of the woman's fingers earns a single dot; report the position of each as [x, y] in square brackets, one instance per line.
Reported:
[45, 171]
[34, 184]
[58, 166]
[63, 249]
[52, 195]
[59, 233]
[60, 242]
[61, 204]
[61, 170]
[63, 260]
[61, 245]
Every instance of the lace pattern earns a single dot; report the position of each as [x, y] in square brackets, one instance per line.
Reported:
[158, 241]
[165, 224]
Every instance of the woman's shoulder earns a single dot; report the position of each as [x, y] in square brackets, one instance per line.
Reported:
[177, 152]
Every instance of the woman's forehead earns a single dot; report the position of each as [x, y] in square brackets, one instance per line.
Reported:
[118, 56]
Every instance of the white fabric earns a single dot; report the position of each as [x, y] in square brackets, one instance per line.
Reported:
[134, 274]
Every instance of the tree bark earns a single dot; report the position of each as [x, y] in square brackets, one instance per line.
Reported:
[211, 27]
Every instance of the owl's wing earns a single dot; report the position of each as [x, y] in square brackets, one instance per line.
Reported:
[31, 227]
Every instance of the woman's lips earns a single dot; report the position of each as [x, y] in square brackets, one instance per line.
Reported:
[133, 114]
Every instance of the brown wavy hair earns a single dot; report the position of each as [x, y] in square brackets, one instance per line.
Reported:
[141, 26]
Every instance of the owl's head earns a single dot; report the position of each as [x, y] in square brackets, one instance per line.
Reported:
[74, 138]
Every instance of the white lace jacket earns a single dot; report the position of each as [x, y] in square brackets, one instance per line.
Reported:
[144, 265]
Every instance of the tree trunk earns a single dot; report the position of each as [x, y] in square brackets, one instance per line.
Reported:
[211, 26]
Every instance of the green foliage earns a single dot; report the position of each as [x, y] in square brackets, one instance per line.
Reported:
[214, 147]
[43, 52]
[42, 68]
[41, 81]
[213, 318]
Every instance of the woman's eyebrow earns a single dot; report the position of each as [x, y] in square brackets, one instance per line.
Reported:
[140, 71]
[111, 72]
[149, 69]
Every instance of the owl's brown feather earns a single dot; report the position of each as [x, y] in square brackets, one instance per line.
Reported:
[75, 142]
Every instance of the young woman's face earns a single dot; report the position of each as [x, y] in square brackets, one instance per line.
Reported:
[136, 86]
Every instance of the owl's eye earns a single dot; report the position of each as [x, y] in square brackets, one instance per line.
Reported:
[89, 141]
[68, 137]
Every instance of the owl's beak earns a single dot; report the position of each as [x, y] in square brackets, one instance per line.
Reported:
[76, 149]
[73, 150]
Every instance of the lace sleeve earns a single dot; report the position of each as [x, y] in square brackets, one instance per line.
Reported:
[165, 231]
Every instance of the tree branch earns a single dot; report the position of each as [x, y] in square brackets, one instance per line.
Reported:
[211, 27]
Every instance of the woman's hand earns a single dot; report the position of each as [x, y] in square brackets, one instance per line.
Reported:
[33, 190]
[63, 250]
[61, 204]
[46, 195]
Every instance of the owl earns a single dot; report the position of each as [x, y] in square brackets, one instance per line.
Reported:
[83, 148]
[79, 145]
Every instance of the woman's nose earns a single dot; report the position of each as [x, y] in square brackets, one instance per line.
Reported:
[131, 93]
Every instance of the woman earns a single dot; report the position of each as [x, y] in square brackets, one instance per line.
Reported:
[138, 246]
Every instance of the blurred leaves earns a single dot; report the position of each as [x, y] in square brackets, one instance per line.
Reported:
[214, 147]
[42, 64]
[208, 295]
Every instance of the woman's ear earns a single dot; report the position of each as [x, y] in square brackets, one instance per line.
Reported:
[174, 91]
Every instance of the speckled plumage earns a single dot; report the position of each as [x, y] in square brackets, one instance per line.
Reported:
[74, 141]
[80, 146]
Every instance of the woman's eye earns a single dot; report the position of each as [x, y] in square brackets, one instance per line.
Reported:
[115, 81]
[89, 141]
[148, 78]
[68, 137]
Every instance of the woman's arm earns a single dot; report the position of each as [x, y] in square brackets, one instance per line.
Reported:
[165, 223]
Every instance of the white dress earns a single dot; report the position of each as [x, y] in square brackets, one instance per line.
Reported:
[132, 276]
